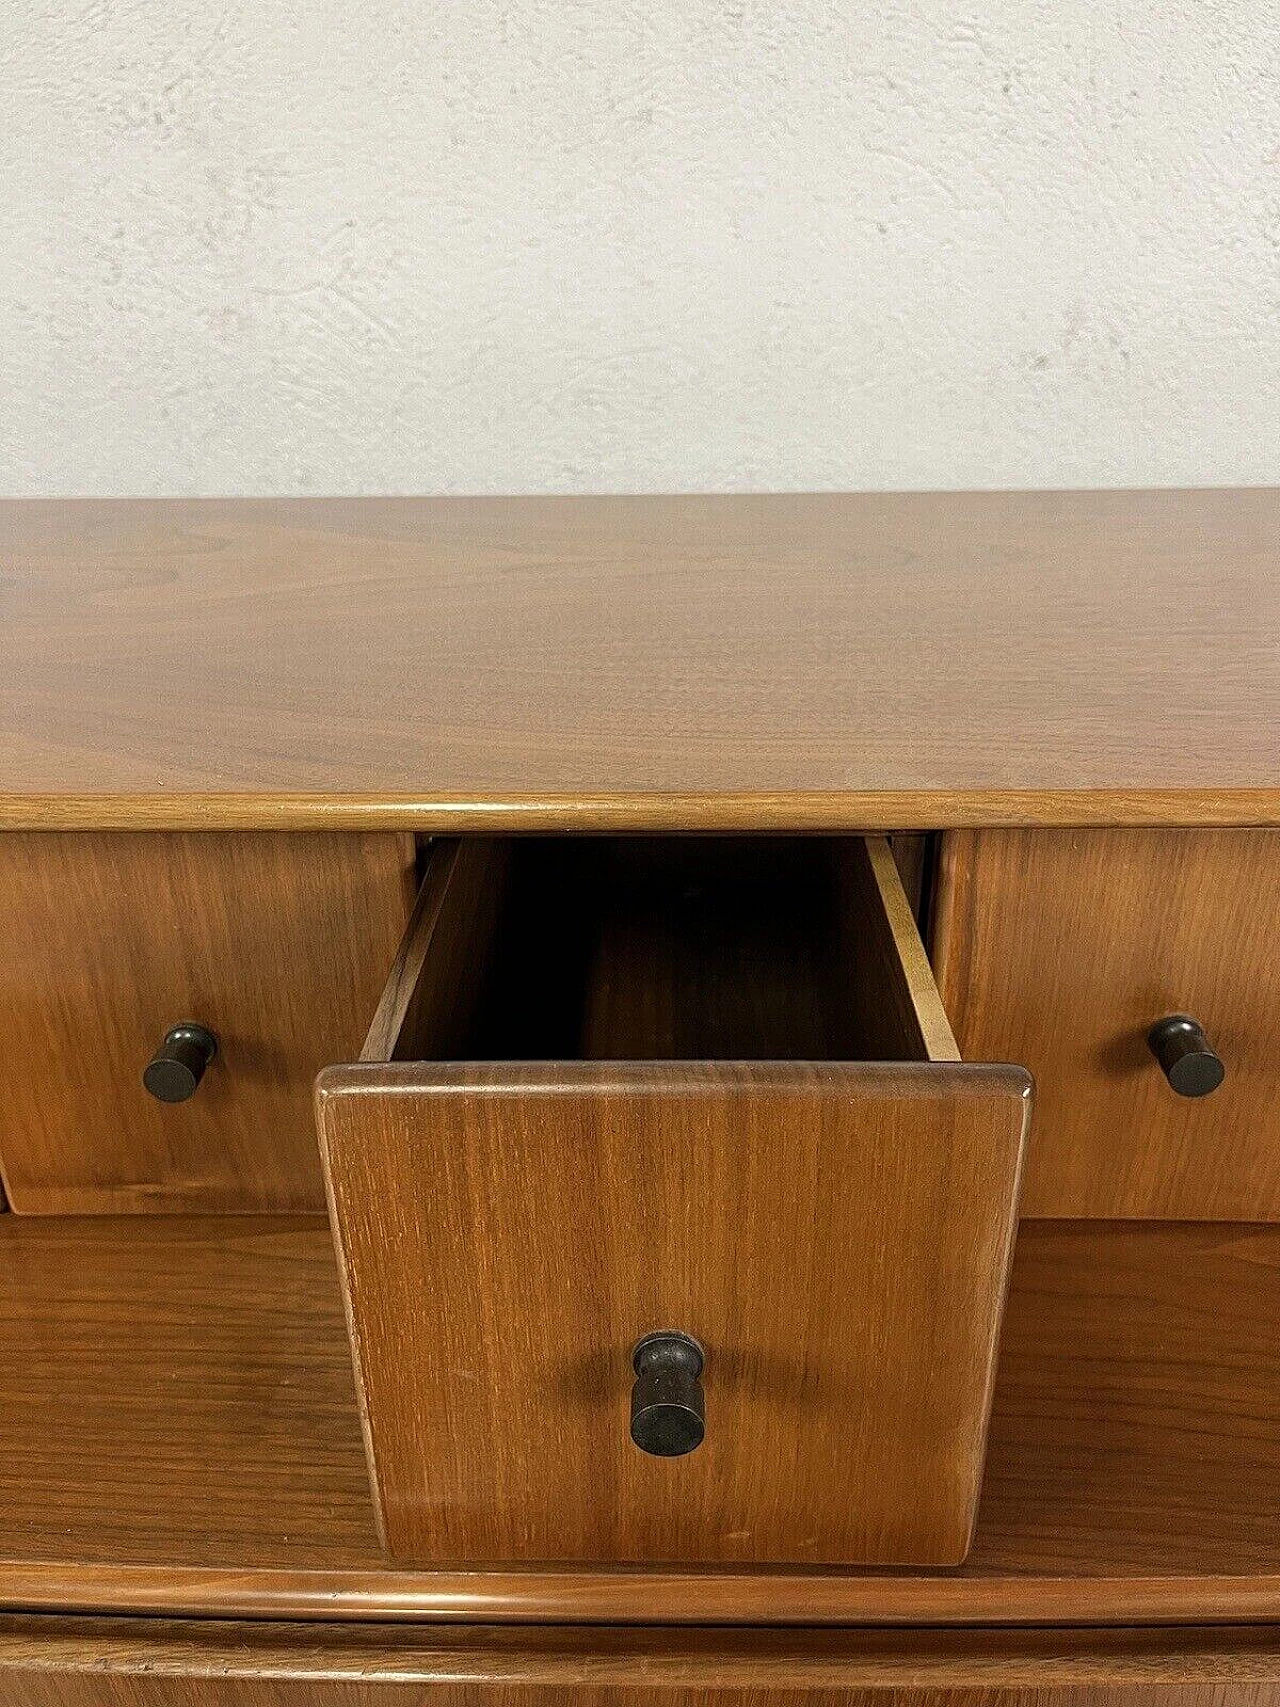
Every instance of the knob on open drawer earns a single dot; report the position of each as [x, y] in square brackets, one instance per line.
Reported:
[668, 1411]
[521, 1191]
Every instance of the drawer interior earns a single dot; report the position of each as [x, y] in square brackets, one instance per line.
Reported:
[662, 948]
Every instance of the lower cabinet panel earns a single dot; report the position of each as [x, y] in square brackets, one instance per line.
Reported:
[61, 1662]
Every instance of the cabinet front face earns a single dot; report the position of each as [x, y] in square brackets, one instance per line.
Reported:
[151, 1662]
[696, 1309]
[1063, 949]
[645, 1688]
[276, 944]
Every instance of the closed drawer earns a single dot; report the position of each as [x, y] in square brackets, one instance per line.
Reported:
[1065, 948]
[703, 1089]
[276, 944]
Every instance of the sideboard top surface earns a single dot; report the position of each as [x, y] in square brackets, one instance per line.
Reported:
[777, 661]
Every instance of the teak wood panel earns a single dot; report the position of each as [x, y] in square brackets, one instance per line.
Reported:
[178, 1389]
[760, 948]
[442, 962]
[1060, 949]
[280, 944]
[69, 1662]
[893, 983]
[837, 1238]
[1133, 1466]
[788, 661]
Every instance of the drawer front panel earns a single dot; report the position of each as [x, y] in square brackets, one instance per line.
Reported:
[836, 1238]
[1061, 949]
[278, 943]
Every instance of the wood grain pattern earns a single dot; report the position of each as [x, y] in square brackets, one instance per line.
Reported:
[827, 661]
[1159, 1388]
[488, 1302]
[206, 1664]
[181, 1437]
[913, 854]
[751, 948]
[716, 948]
[1061, 949]
[140, 1689]
[428, 1000]
[893, 982]
[175, 1387]
[780, 811]
[279, 944]
[661, 948]
[837, 1237]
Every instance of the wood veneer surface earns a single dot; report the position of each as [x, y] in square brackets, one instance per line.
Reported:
[822, 661]
[279, 944]
[159, 1663]
[1061, 948]
[837, 1236]
[181, 1436]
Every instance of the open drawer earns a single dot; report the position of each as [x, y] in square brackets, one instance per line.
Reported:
[702, 1090]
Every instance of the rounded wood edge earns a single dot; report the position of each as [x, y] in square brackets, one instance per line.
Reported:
[852, 811]
[654, 1657]
[631, 1597]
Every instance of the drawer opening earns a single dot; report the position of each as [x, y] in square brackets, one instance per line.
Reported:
[662, 948]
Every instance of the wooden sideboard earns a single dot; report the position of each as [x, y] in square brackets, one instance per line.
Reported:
[641, 1099]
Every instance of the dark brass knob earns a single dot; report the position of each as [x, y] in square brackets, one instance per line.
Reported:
[1185, 1056]
[668, 1416]
[177, 1067]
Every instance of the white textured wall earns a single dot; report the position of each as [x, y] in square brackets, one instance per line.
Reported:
[487, 245]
